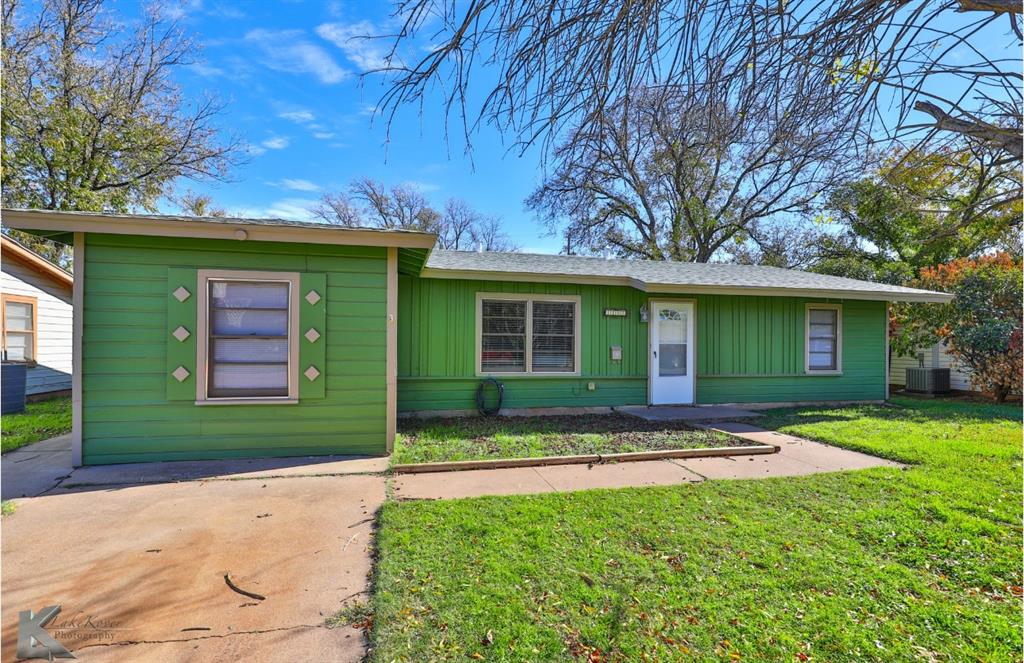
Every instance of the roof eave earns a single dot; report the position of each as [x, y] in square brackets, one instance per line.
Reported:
[35, 261]
[663, 288]
[43, 222]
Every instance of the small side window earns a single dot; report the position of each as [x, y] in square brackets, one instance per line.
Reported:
[19, 328]
[824, 338]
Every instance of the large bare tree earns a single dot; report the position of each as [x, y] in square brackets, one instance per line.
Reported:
[371, 203]
[92, 118]
[676, 173]
[950, 67]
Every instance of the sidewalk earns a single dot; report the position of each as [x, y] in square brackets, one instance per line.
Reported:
[796, 457]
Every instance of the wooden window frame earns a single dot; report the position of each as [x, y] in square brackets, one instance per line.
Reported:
[838, 370]
[21, 299]
[203, 339]
[528, 350]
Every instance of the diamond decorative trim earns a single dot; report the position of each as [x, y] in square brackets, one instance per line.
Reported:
[312, 297]
[312, 335]
[181, 334]
[182, 293]
[181, 374]
[311, 373]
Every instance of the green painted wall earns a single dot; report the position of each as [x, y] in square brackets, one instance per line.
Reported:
[749, 349]
[127, 416]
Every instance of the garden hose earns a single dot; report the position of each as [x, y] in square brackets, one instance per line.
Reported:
[481, 404]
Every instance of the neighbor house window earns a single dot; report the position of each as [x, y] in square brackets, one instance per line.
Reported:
[824, 338]
[250, 349]
[20, 328]
[528, 334]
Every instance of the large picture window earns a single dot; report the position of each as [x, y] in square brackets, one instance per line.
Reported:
[20, 332]
[535, 334]
[250, 344]
[824, 338]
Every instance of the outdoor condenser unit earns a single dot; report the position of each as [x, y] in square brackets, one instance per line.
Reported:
[928, 380]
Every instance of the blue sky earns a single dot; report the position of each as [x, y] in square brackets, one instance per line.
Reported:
[291, 80]
[290, 76]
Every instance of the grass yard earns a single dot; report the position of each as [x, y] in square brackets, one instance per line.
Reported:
[884, 564]
[477, 438]
[40, 421]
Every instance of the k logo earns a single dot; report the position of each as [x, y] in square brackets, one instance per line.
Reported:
[34, 641]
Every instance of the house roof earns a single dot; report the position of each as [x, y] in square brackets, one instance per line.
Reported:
[60, 226]
[14, 250]
[664, 277]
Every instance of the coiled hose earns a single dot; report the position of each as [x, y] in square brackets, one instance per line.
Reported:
[481, 397]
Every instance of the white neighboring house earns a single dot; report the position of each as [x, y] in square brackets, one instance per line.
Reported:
[36, 317]
[934, 357]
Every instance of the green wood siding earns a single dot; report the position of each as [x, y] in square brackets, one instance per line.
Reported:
[127, 416]
[749, 349]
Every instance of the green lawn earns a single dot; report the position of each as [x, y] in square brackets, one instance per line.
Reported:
[884, 564]
[39, 421]
[476, 438]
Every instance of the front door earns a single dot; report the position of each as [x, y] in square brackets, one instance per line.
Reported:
[672, 367]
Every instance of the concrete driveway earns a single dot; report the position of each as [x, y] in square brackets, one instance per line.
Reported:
[139, 569]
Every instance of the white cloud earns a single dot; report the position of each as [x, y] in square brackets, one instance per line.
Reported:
[299, 116]
[422, 187]
[292, 209]
[286, 50]
[275, 143]
[255, 150]
[361, 42]
[178, 11]
[323, 135]
[299, 185]
[205, 70]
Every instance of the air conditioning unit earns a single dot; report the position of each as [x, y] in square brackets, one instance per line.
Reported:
[928, 380]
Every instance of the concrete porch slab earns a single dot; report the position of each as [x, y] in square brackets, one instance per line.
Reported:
[686, 413]
[240, 468]
[617, 475]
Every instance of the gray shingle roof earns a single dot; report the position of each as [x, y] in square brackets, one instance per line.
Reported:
[652, 276]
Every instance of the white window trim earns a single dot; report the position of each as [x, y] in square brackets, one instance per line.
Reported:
[838, 370]
[529, 298]
[203, 325]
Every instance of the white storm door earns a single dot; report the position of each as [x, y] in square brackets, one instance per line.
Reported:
[672, 366]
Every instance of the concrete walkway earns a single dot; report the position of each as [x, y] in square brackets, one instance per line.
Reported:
[35, 468]
[686, 412]
[796, 457]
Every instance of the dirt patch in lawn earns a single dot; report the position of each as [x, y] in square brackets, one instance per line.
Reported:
[478, 438]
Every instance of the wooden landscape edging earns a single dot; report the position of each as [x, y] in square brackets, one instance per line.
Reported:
[588, 459]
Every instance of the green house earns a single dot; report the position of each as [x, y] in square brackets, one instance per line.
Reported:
[200, 338]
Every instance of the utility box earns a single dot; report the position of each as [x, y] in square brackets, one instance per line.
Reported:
[928, 380]
[616, 352]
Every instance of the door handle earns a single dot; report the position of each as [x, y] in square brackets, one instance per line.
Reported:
[655, 354]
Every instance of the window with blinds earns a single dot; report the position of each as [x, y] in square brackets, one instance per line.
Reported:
[554, 344]
[248, 350]
[503, 336]
[528, 336]
[822, 339]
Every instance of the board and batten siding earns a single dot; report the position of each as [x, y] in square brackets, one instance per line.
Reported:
[52, 371]
[127, 416]
[749, 349]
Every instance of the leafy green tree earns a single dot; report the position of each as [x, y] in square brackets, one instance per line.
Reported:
[981, 327]
[92, 119]
[920, 210]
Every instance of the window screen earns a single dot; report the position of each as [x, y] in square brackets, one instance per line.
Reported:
[822, 339]
[554, 345]
[248, 349]
[19, 331]
[503, 336]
